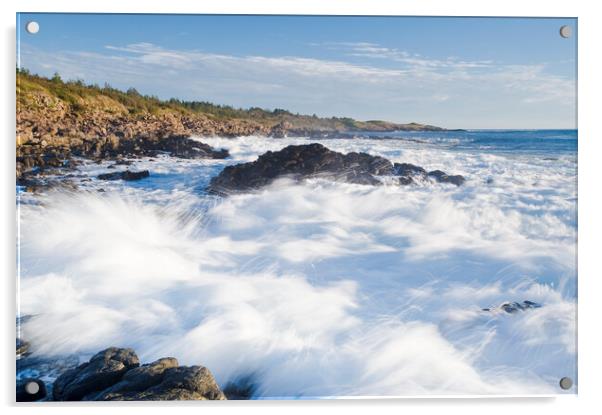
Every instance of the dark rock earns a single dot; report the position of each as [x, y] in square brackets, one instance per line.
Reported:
[443, 177]
[184, 147]
[175, 383]
[102, 371]
[408, 170]
[125, 175]
[404, 181]
[514, 307]
[115, 375]
[122, 162]
[314, 160]
[301, 162]
[26, 386]
[242, 388]
[138, 379]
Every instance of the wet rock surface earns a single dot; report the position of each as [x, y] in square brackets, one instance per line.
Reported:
[514, 307]
[34, 159]
[115, 374]
[409, 173]
[103, 370]
[126, 175]
[314, 160]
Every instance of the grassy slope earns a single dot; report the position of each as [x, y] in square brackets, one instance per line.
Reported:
[81, 98]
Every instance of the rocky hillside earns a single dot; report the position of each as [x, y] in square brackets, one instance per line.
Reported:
[57, 120]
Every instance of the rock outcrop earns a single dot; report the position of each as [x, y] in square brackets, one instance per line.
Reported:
[102, 371]
[126, 175]
[115, 374]
[408, 173]
[514, 307]
[314, 160]
[57, 120]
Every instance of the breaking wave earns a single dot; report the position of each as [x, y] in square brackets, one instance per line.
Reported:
[320, 289]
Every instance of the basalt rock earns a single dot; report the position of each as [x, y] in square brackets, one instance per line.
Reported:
[117, 376]
[300, 162]
[409, 173]
[126, 175]
[514, 307]
[443, 177]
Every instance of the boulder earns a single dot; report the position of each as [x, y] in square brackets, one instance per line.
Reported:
[408, 172]
[174, 383]
[514, 307]
[443, 177]
[115, 375]
[103, 370]
[125, 175]
[300, 162]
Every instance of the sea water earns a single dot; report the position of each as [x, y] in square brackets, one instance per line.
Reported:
[320, 289]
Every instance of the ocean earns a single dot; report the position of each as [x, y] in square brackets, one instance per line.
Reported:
[321, 289]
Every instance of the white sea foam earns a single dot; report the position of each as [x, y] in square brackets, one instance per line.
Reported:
[321, 289]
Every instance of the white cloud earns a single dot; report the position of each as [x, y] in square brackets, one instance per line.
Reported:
[386, 83]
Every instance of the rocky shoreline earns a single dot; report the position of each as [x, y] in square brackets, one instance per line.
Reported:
[59, 122]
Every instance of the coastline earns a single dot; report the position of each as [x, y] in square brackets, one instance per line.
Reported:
[57, 120]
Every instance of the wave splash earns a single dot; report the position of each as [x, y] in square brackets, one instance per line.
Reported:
[315, 290]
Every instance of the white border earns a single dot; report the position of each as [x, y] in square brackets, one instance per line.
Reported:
[590, 208]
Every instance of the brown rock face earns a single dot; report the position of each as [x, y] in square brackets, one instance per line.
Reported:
[104, 369]
[50, 131]
[115, 375]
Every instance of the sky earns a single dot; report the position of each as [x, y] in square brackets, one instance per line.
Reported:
[451, 72]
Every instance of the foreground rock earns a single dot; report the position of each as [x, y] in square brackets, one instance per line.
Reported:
[102, 371]
[314, 160]
[115, 374]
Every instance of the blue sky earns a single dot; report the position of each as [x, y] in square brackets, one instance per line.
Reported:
[451, 72]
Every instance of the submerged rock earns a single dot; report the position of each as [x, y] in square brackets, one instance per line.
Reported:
[115, 375]
[513, 307]
[314, 160]
[408, 172]
[443, 177]
[127, 175]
